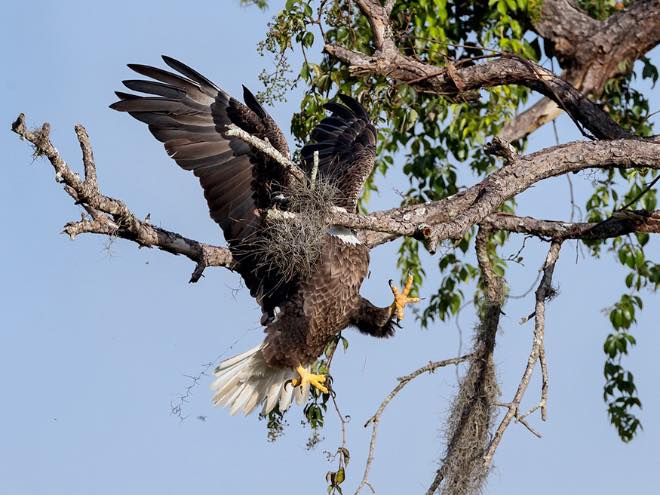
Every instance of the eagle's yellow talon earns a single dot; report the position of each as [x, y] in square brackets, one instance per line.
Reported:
[307, 379]
[401, 298]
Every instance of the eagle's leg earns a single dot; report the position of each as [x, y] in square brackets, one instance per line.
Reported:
[401, 298]
[307, 378]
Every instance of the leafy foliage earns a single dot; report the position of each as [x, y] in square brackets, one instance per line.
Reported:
[620, 391]
[621, 190]
[440, 139]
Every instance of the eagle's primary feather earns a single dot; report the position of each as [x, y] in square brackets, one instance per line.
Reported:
[189, 115]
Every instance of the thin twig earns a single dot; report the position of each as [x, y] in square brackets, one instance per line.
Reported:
[315, 170]
[642, 193]
[529, 289]
[267, 149]
[545, 383]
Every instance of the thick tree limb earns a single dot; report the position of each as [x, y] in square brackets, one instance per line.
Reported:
[389, 62]
[596, 49]
[502, 71]
[590, 51]
[109, 216]
[451, 217]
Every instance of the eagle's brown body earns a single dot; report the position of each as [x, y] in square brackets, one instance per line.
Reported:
[325, 304]
[190, 115]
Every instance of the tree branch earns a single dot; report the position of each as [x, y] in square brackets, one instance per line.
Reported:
[388, 61]
[375, 419]
[543, 293]
[109, 216]
[590, 51]
[633, 221]
[431, 222]
[267, 149]
[451, 217]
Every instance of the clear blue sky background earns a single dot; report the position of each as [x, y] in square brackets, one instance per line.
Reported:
[95, 343]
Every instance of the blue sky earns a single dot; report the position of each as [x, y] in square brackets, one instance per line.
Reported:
[96, 338]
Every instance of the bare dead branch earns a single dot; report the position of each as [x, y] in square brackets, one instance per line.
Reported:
[432, 222]
[87, 156]
[543, 291]
[545, 384]
[110, 216]
[637, 221]
[375, 419]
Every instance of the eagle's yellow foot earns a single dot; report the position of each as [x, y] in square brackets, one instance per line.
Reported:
[401, 298]
[307, 378]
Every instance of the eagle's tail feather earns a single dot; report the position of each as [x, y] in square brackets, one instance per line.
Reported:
[246, 380]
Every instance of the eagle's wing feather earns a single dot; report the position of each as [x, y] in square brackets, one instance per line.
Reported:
[189, 115]
[346, 146]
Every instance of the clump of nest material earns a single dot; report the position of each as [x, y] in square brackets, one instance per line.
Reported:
[291, 240]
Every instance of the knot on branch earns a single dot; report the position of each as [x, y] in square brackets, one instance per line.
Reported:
[548, 293]
[500, 147]
[424, 233]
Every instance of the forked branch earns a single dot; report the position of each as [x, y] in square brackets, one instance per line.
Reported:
[591, 52]
[537, 353]
[108, 216]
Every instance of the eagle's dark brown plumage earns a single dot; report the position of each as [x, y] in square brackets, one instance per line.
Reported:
[189, 114]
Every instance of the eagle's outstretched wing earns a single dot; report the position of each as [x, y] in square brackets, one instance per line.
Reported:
[189, 114]
[346, 143]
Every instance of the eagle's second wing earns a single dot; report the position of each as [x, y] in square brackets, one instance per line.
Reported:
[189, 115]
[346, 144]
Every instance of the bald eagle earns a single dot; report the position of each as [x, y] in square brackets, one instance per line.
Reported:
[301, 313]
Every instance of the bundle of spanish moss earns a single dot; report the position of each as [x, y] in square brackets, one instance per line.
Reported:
[291, 244]
[471, 418]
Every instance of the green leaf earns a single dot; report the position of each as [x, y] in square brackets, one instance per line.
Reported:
[308, 39]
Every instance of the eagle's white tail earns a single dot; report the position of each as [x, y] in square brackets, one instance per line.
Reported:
[245, 381]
